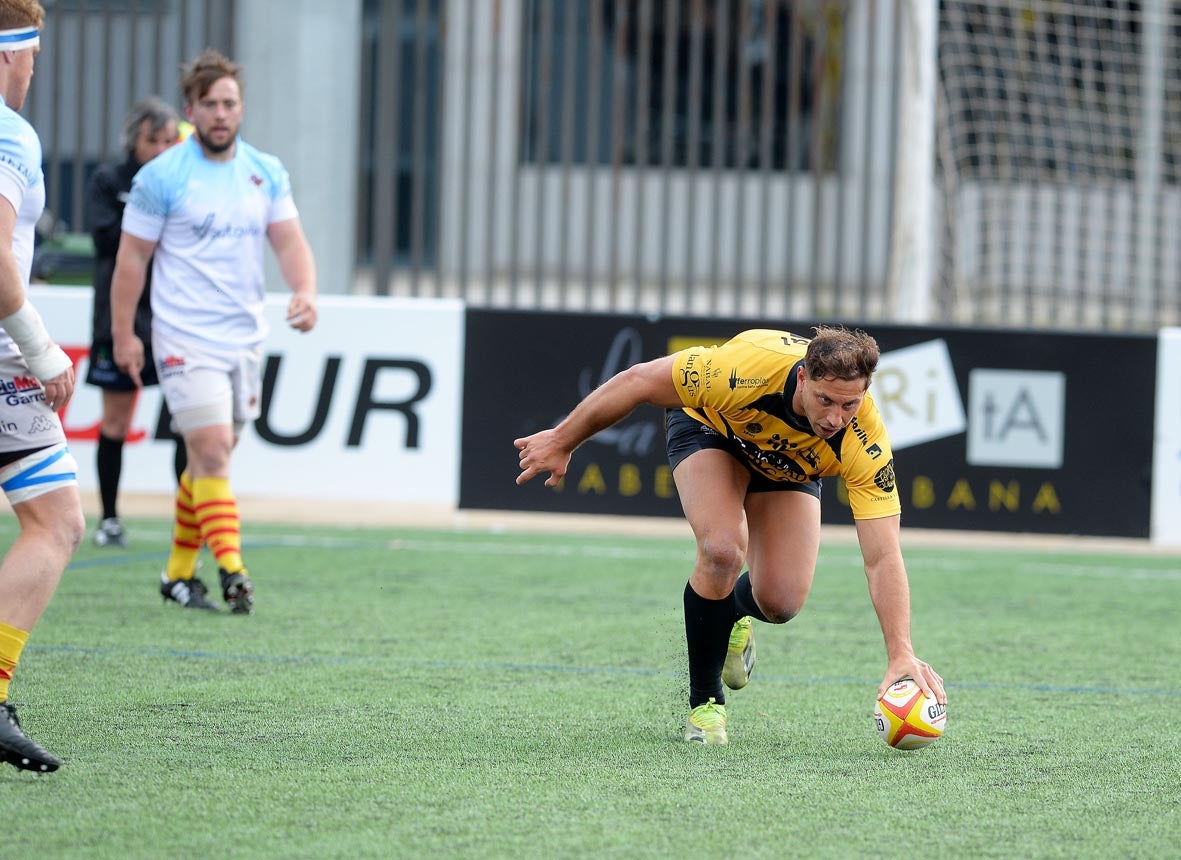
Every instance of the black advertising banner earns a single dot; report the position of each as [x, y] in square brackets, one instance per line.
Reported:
[992, 430]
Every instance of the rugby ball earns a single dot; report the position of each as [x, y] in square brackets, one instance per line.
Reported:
[908, 720]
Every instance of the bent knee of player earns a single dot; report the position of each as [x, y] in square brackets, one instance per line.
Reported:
[779, 614]
[70, 527]
[209, 442]
[780, 605]
[60, 522]
[721, 556]
[209, 460]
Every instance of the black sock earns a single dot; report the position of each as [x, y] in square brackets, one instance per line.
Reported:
[110, 467]
[744, 599]
[707, 633]
[180, 459]
[164, 430]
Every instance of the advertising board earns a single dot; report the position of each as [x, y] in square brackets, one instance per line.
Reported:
[992, 430]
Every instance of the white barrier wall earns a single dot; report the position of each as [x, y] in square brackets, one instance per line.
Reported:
[384, 426]
[1166, 455]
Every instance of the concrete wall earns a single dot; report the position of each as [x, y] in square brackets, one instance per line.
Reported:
[302, 78]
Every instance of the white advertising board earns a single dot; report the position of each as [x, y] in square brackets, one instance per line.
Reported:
[1166, 455]
[365, 407]
[1017, 418]
[916, 392]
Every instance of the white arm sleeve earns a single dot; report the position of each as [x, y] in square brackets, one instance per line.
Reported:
[45, 358]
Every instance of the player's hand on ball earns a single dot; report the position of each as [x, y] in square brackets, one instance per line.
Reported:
[906, 718]
[927, 678]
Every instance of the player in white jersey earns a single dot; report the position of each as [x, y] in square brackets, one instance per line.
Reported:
[37, 472]
[201, 212]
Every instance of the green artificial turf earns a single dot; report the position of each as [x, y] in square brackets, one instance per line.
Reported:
[463, 694]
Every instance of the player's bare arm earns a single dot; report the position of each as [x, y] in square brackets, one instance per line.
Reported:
[550, 450]
[298, 267]
[127, 285]
[47, 361]
[889, 590]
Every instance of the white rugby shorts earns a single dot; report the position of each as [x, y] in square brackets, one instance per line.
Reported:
[26, 421]
[202, 387]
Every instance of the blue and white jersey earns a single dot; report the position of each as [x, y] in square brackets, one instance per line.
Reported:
[23, 185]
[209, 220]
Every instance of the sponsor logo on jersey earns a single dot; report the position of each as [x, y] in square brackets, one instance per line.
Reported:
[710, 373]
[861, 435]
[874, 450]
[172, 365]
[690, 378]
[41, 424]
[774, 464]
[20, 167]
[206, 230]
[20, 390]
[256, 179]
[21, 398]
[737, 381]
[19, 385]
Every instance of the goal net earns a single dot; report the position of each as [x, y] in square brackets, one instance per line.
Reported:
[1058, 142]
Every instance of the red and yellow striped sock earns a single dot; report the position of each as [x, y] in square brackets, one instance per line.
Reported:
[186, 533]
[12, 642]
[217, 514]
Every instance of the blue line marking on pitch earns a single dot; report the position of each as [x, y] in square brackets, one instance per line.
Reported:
[196, 655]
[575, 670]
[113, 560]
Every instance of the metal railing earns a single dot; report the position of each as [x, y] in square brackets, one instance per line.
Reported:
[98, 58]
[730, 156]
[699, 157]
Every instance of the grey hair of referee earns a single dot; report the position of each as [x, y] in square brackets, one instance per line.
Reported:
[153, 110]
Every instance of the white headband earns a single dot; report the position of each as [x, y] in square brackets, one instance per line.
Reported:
[19, 39]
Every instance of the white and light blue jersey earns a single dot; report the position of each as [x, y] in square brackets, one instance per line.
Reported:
[23, 185]
[209, 220]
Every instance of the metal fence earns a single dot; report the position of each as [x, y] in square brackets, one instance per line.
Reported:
[99, 57]
[681, 156]
[715, 157]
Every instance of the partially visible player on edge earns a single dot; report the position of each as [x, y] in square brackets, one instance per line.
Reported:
[37, 471]
[752, 426]
[203, 208]
[149, 128]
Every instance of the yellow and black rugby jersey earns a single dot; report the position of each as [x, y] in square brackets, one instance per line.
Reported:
[744, 388]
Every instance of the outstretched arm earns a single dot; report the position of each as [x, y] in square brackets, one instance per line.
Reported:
[550, 450]
[890, 592]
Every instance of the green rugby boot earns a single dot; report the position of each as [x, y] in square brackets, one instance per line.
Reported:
[740, 655]
[707, 724]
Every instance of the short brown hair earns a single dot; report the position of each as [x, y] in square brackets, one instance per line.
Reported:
[21, 13]
[838, 353]
[206, 70]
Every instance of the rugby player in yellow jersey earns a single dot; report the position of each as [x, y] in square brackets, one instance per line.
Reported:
[752, 427]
